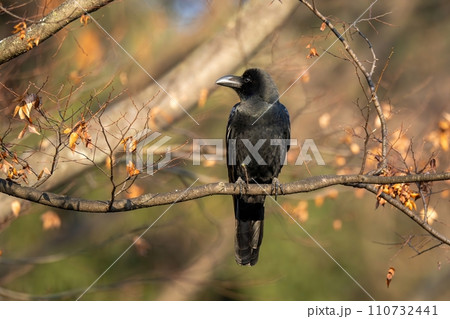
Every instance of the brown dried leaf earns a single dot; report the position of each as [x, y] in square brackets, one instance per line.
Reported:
[15, 207]
[134, 191]
[84, 19]
[312, 53]
[337, 224]
[431, 215]
[354, 148]
[319, 200]
[50, 220]
[33, 129]
[22, 133]
[131, 169]
[301, 211]
[333, 193]
[203, 97]
[45, 171]
[443, 141]
[15, 159]
[390, 275]
[20, 28]
[110, 160]
[73, 140]
[142, 246]
[324, 120]
[340, 160]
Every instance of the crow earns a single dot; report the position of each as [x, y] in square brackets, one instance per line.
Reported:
[257, 136]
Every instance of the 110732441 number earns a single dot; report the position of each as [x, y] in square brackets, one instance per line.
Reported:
[402, 310]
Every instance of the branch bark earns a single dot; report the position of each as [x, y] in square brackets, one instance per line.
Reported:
[220, 188]
[415, 217]
[67, 12]
[367, 75]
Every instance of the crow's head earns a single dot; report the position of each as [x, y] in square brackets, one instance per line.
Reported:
[253, 83]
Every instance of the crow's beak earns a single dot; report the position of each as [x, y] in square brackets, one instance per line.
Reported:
[231, 81]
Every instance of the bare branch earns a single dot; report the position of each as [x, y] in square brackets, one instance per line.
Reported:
[67, 12]
[217, 56]
[367, 75]
[415, 217]
[150, 200]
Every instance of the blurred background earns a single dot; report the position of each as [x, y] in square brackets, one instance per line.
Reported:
[188, 253]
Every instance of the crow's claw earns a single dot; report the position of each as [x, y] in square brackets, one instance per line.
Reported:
[277, 188]
[241, 184]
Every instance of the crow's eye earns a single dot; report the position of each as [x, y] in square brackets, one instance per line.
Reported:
[247, 80]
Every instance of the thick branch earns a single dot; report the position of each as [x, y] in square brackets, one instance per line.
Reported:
[13, 46]
[149, 200]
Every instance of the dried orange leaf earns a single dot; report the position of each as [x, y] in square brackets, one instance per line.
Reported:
[45, 171]
[324, 120]
[443, 141]
[340, 160]
[209, 163]
[50, 220]
[142, 246]
[84, 19]
[110, 160]
[203, 97]
[72, 140]
[22, 133]
[133, 145]
[390, 275]
[301, 211]
[444, 125]
[354, 148]
[16, 110]
[134, 191]
[333, 193]
[312, 53]
[337, 224]
[430, 216]
[20, 28]
[318, 201]
[131, 169]
[124, 141]
[32, 129]
[15, 207]
[323, 26]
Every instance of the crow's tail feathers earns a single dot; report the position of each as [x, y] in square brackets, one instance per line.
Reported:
[249, 233]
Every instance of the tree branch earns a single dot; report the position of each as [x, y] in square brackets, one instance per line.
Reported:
[368, 75]
[14, 46]
[415, 217]
[220, 188]
[220, 55]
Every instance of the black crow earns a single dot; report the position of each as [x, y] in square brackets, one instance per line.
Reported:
[257, 136]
